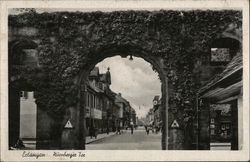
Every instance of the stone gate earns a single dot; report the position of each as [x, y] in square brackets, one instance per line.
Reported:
[53, 53]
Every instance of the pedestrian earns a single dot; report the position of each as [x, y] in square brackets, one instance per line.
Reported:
[132, 128]
[147, 130]
[119, 129]
[91, 131]
[157, 129]
[107, 130]
[95, 132]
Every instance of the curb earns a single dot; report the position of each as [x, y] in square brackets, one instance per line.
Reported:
[99, 139]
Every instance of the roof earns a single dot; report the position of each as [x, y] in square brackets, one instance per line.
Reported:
[120, 99]
[110, 93]
[234, 66]
[94, 72]
[94, 88]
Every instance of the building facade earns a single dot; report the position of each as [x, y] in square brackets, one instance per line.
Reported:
[154, 116]
[28, 111]
[150, 117]
[221, 99]
[157, 111]
[105, 109]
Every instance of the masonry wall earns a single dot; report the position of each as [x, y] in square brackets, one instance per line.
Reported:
[47, 130]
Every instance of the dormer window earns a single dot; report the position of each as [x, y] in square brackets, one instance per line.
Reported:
[101, 86]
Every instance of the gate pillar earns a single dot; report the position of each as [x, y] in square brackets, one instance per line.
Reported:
[14, 116]
[73, 131]
[175, 139]
[204, 132]
[165, 130]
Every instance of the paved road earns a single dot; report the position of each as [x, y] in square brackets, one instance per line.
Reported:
[127, 141]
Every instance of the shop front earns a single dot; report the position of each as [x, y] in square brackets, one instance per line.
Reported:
[223, 128]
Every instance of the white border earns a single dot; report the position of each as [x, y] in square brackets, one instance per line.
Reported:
[111, 5]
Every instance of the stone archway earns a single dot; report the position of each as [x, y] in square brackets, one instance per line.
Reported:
[70, 43]
[18, 57]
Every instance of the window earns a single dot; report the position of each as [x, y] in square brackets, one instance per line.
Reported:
[24, 94]
[96, 102]
[21, 94]
[223, 127]
[88, 102]
[223, 50]
[220, 55]
[212, 132]
[100, 86]
[93, 101]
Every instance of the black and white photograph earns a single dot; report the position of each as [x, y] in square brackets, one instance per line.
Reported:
[124, 79]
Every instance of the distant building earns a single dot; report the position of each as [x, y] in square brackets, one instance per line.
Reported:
[154, 117]
[28, 113]
[133, 116]
[121, 102]
[150, 117]
[157, 107]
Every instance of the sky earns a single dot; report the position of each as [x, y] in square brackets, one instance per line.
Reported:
[135, 80]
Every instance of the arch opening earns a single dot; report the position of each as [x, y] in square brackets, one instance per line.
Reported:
[156, 65]
[22, 106]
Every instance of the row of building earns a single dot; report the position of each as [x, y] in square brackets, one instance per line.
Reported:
[154, 117]
[105, 109]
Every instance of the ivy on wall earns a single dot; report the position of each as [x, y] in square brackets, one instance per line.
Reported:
[70, 42]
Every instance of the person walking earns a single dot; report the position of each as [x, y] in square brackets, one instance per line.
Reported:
[95, 132]
[132, 127]
[146, 128]
[119, 129]
[156, 129]
[107, 130]
[91, 131]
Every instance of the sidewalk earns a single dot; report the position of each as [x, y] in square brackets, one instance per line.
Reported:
[99, 137]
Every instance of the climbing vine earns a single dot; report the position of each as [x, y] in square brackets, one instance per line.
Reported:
[69, 42]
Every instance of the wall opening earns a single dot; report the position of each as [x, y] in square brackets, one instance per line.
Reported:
[156, 63]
